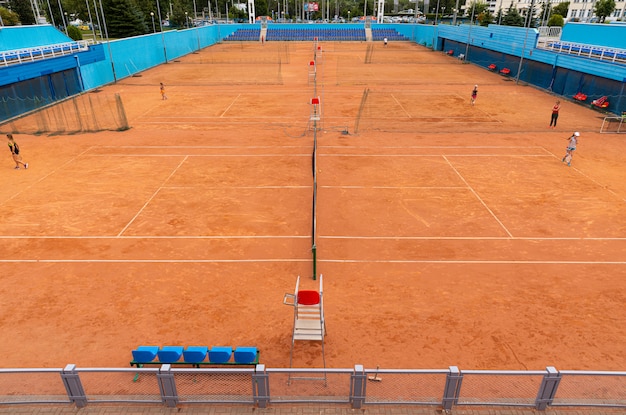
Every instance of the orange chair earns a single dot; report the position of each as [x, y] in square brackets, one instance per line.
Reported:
[505, 71]
[492, 67]
[580, 96]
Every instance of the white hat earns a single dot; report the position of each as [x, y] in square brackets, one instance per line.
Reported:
[577, 134]
[475, 86]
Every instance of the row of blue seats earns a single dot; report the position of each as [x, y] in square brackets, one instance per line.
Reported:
[390, 34]
[587, 50]
[194, 355]
[39, 52]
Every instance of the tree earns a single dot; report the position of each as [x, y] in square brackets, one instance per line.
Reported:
[24, 10]
[561, 8]
[485, 18]
[556, 20]
[9, 18]
[512, 17]
[476, 8]
[74, 33]
[604, 8]
[123, 19]
[499, 15]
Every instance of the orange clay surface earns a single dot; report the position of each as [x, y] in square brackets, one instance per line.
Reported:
[447, 234]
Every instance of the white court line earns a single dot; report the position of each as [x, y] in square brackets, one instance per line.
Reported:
[396, 187]
[592, 180]
[151, 197]
[231, 104]
[346, 261]
[151, 261]
[35, 237]
[237, 187]
[408, 238]
[121, 154]
[477, 197]
[42, 178]
[436, 155]
[495, 262]
[398, 102]
[476, 238]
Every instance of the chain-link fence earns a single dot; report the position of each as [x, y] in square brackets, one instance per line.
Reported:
[357, 387]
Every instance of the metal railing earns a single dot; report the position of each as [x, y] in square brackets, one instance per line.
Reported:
[18, 56]
[587, 51]
[357, 387]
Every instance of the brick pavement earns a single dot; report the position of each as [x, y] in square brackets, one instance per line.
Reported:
[305, 409]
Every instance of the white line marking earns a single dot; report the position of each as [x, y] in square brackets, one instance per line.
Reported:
[151, 197]
[396, 187]
[475, 238]
[231, 104]
[398, 102]
[426, 261]
[478, 197]
[158, 237]
[41, 179]
[150, 261]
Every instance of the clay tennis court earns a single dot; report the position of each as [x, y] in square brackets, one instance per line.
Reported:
[447, 234]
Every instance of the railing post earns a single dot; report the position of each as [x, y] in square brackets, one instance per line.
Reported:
[261, 387]
[167, 386]
[547, 389]
[73, 386]
[357, 387]
[452, 388]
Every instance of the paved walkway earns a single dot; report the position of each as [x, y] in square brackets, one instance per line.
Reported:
[95, 409]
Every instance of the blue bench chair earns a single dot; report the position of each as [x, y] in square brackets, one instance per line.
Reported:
[195, 356]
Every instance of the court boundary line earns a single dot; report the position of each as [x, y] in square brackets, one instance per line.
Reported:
[471, 189]
[158, 189]
[308, 260]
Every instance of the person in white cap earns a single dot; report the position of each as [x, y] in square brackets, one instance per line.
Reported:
[571, 146]
[474, 94]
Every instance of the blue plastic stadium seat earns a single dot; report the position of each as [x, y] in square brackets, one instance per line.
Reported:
[195, 354]
[245, 355]
[220, 354]
[145, 354]
[170, 354]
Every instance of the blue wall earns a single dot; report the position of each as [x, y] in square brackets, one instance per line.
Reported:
[23, 37]
[156, 48]
[500, 45]
[608, 35]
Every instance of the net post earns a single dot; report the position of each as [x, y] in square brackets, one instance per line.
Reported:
[314, 250]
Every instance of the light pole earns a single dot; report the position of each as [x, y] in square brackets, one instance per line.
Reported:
[187, 19]
[469, 31]
[65, 22]
[437, 12]
[153, 26]
[364, 9]
[443, 10]
[161, 29]
[349, 16]
[521, 59]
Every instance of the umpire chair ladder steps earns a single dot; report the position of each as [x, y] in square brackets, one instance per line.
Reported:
[308, 321]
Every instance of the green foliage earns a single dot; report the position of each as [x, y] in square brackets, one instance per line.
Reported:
[23, 10]
[74, 33]
[9, 18]
[512, 18]
[124, 19]
[556, 20]
[260, 7]
[604, 8]
[485, 18]
[561, 8]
